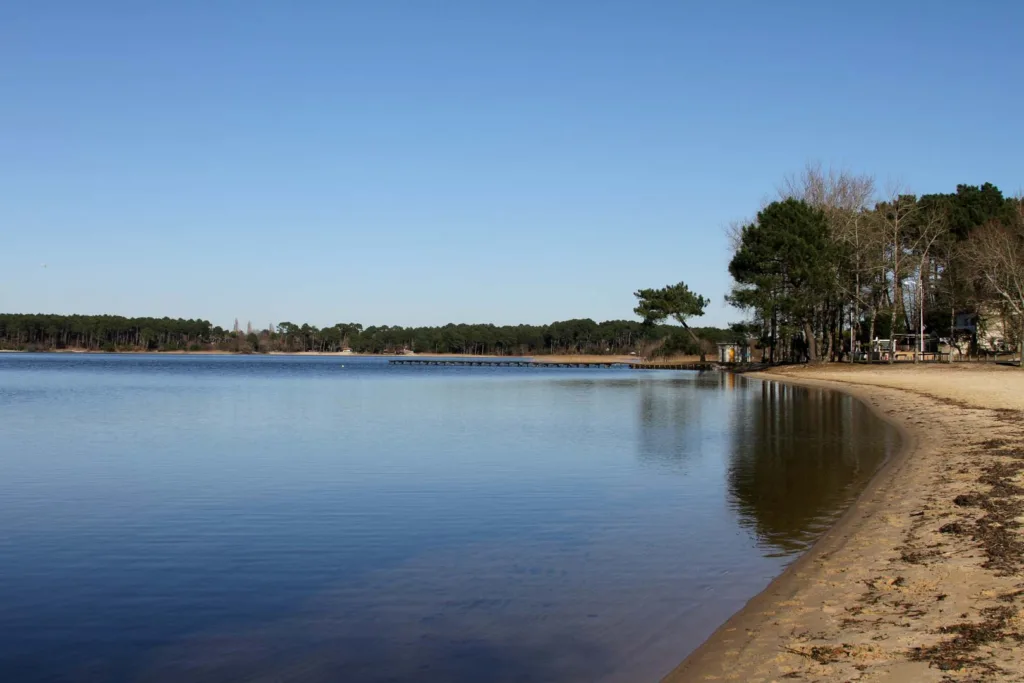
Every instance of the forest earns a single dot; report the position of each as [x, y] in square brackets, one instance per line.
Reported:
[115, 333]
[833, 268]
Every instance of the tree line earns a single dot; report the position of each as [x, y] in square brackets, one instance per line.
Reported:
[833, 266]
[117, 333]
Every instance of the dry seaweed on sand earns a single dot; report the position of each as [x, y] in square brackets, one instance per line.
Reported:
[824, 655]
[961, 651]
[968, 500]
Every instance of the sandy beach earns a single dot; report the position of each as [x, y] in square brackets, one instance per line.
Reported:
[923, 578]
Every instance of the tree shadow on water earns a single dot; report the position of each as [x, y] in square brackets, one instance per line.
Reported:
[798, 457]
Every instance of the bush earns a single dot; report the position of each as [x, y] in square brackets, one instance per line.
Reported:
[678, 344]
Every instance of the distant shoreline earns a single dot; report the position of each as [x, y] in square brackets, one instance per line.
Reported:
[550, 358]
[922, 573]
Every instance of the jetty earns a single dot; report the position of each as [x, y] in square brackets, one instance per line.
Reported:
[499, 363]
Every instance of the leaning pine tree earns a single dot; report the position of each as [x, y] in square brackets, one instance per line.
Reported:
[674, 301]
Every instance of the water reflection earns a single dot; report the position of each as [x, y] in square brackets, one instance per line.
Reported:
[794, 457]
[684, 418]
[670, 424]
[797, 457]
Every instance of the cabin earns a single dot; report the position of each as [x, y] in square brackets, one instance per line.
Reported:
[730, 352]
[986, 331]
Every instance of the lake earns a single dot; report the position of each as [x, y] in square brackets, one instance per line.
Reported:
[241, 518]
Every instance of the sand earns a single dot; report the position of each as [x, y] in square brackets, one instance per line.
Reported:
[923, 578]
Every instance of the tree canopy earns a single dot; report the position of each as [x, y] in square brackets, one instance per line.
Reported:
[674, 301]
[783, 266]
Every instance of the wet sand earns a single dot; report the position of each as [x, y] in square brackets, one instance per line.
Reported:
[923, 578]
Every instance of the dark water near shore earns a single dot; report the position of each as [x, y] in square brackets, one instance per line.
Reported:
[337, 519]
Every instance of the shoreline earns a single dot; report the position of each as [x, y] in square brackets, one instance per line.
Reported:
[736, 632]
[539, 358]
[909, 583]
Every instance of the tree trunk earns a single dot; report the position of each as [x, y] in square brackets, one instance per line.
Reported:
[892, 334]
[828, 334]
[836, 341]
[903, 306]
[700, 346]
[920, 325]
[952, 329]
[871, 336]
[854, 328]
[812, 343]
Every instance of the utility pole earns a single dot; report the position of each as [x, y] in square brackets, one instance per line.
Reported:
[920, 325]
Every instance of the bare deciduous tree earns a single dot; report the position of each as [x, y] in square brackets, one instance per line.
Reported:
[734, 233]
[996, 255]
[833, 191]
[843, 196]
[954, 282]
[928, 230]
[894, 219]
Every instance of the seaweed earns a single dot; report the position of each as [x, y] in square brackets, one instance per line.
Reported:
[960, 651]
[824, 655]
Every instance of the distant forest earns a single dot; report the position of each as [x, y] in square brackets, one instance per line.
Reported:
[115, 333]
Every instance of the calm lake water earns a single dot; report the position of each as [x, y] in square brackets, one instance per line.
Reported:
[337, 519]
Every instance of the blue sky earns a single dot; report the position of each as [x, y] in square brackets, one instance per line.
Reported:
[421, 162]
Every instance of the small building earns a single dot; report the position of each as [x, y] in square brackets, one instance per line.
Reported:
[988, 330]
[731, 352]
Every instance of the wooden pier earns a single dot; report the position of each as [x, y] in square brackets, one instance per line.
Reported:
[498, 363]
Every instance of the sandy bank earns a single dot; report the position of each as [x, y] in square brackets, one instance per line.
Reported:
[584, 358]
[923, 578]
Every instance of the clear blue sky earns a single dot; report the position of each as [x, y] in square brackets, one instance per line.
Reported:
[422, 162]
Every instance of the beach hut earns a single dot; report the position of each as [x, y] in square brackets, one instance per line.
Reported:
[731, 352]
